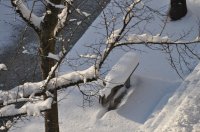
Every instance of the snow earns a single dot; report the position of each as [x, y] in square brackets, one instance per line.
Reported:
[53, 56]
[79, 22]
[35, 109]
[62, 18]
[3, 67]
[25, 52]
[71, 20]
[8, 124]
[32, 109]
[120, 72]
[127, 118]
[27, 89]
[148, 38]
[27, 14]
[181, 113]
[2, 128]
[86, 14]
[89, 56]
[56, 6]
[82, 12]
[157, 102]
[113, 36]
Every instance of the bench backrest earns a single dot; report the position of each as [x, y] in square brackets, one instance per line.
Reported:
[120, 72]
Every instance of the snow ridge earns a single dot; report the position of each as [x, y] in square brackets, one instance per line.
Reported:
[182, 110]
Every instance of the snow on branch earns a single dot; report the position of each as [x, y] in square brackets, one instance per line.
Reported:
[29, 108]
[63, 81]
[113, 36]
[27, 14]
[150, 39]
[3, 67]
[54, 5]
[53, 56]
[129, 14]
[90, 56]
[82, 13]
[62, 17]
[26, 92]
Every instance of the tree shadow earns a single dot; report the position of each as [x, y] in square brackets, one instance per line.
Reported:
[150, 95]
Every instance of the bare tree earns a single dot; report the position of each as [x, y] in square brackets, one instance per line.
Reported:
[49, 26]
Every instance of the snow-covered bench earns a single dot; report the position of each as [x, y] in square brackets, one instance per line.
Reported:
[117, 81]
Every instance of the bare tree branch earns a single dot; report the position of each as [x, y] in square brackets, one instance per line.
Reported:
[29, 17]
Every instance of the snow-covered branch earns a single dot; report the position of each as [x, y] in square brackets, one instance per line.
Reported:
[34, 107]
[150, 39]
[82, 12]
[54, 5]
[27, 14]
[29, 108]
[63, 81]
[62, 17]
[129, 14]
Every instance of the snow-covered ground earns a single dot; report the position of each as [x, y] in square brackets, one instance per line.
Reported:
[181, 113]
[156, 101]
[138, 107]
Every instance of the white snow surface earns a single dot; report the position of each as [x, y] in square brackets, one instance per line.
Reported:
[157, 102]
[181, 113]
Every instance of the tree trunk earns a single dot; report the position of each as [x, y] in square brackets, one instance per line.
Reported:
[51, 116]
[178, 9]
[47, 45]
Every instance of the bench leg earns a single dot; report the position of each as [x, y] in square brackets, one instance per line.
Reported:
[128, 83]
